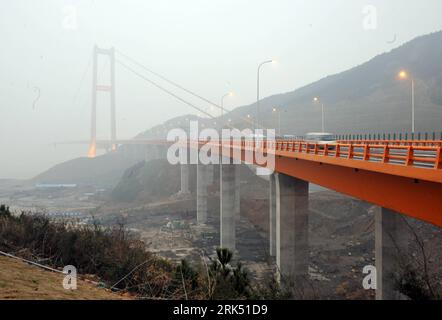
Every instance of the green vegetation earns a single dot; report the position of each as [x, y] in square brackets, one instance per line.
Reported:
[120, 260]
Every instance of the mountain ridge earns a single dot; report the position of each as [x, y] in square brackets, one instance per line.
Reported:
[368, 98]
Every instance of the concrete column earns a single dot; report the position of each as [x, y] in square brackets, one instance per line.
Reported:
[390, 245]
[237, 191]
[272, 215]
[185, 168]
[184, 178]
[210, 172]
[227, 202]
[292, 226]
[201, 193]
[147, 154]
[156, 152]
[140, 152]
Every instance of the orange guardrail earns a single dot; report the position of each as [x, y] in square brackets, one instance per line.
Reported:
[403, 178]
[426, 157]
[435, 143]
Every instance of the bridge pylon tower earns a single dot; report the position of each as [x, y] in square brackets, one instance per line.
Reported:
[110, 88]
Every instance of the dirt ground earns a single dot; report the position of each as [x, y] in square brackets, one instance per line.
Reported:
[341, 238]
[21, 281]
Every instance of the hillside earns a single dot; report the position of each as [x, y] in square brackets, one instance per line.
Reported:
[136, 183]
[19, 280]
[104, 170]
[367, 98]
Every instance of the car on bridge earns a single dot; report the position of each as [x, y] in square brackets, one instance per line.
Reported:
[321, 138]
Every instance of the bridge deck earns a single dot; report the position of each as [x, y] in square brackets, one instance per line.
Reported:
[407, 179]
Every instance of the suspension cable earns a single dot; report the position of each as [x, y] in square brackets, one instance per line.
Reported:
[164, 89]
[178, 85]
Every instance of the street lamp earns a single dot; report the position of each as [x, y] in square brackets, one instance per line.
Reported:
[228, 94]
[316, 99]
[279, 119]
[404, 75]
[256, 122]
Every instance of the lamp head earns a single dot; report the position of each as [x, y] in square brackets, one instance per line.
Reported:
[403, 74]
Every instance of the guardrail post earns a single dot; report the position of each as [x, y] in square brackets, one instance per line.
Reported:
[438, 163]
[410, 154]
[350, 152]
[365, 155]
[385, 158]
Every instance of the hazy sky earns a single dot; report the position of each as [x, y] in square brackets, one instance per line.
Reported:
[209, 46]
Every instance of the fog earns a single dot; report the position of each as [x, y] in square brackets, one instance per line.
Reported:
[210, 47]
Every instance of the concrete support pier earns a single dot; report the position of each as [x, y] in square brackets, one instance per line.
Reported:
[184, 178]
[201, 192]
[210, 173]
[237, 191]
[272, 215]
[292, 226]
[390, 245]
[227, 209]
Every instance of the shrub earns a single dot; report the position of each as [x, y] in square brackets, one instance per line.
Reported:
[113, 254]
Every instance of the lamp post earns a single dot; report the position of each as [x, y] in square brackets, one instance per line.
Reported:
[316, 99]
[404, 75]
[228, 94]
[279, 119]
[256, 122]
